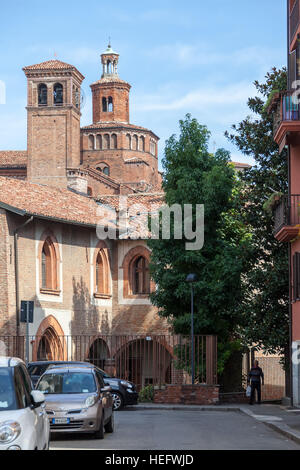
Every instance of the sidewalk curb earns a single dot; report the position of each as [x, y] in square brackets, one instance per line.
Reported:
[285, 430]
[182, 408]
[280, 428]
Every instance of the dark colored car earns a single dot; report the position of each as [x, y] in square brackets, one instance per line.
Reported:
[124, 393]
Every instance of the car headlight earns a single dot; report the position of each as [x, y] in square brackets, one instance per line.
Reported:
[126, 384]
[9, 431]
[90, 401]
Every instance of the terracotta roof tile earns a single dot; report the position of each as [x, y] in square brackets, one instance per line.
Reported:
[241, 165]
[52, 65]
[45, 201]
[136, 225]
[114, 79]
[13, 158]
[117, 125]
[147, 199]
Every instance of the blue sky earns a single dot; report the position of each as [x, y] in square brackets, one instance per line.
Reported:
[195, 56]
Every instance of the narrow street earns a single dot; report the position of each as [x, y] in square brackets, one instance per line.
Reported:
[180, 430]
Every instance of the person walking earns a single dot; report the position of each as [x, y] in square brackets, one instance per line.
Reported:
[256, 379]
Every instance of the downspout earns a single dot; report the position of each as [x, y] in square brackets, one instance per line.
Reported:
[16, 236]
[290, 247]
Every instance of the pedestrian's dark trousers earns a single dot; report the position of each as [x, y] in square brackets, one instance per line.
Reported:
[255, 386]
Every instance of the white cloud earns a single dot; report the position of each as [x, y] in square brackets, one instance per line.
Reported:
[201, 99]
[82, 55]
[203, 54]
[13, 131]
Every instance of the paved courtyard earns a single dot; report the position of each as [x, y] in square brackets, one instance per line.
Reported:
[181, 430]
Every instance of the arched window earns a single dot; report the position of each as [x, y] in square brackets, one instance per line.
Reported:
[109, 66]
[99, 274]
[106, 142]
[103, 168]
[102, 284]
[142, 144]
[140, 276]
[104, 105]
[110, 105]
[99, 142]
[42, 95]
[128, 139]
[135, 142]
[89, 191]
[77, 98]
[49, 266]
[58, 94]
[91, 142]
[152, 147]
[114, 141]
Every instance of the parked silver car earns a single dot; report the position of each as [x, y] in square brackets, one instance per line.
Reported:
[77, 400]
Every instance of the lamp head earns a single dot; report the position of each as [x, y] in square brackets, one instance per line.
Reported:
[192, 278]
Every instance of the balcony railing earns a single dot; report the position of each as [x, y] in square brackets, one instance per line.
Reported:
[294, 20]
[287, 110]
[287, 212]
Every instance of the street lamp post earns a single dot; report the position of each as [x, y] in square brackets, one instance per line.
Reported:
[192, 278]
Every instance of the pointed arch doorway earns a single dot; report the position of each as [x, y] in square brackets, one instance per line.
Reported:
[50, 343]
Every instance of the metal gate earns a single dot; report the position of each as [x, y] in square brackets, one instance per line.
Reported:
[142, 359]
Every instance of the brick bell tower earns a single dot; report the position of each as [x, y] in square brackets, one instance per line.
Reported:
[53, 121]
[110, 94]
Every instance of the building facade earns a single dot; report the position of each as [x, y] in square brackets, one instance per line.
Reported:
[53, 199]
[287, 211]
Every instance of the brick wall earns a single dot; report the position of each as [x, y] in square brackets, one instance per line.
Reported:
[120, 95]
[187, 394]
[4, 265]
[76, 300]
[126, 166]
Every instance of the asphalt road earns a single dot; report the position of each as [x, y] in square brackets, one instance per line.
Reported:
[180, 430]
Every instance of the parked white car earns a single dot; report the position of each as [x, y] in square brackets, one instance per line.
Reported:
[24, 424]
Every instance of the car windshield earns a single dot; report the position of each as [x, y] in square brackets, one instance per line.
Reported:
[7, 392]
[67, 383]
[37, 369]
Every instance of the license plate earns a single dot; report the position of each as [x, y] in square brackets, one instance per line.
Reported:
[60, 421]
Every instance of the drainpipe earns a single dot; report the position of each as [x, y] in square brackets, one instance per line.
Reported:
[290, 247]
[290, 287]
[16, 236]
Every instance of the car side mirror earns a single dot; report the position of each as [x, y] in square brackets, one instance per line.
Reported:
[38, 398]
[106, 389]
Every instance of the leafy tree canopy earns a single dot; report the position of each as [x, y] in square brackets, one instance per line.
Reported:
[194, 176]
[265, 299]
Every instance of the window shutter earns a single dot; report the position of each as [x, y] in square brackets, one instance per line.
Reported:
[296, 276]
[292, 68]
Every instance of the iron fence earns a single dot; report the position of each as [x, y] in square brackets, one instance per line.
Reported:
[144, 360]
[287, 212]
[287, 109]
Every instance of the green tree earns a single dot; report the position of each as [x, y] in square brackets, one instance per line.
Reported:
[265, 300]
[194, 176]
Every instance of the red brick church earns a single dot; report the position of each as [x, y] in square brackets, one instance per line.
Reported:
[91, 296]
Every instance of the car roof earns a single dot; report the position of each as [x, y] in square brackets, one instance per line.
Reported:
[67, 368]
[10, 361]
[40, 363]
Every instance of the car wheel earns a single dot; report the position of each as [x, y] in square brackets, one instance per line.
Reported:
[110, 426]
[118, 401]
[100, 433]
